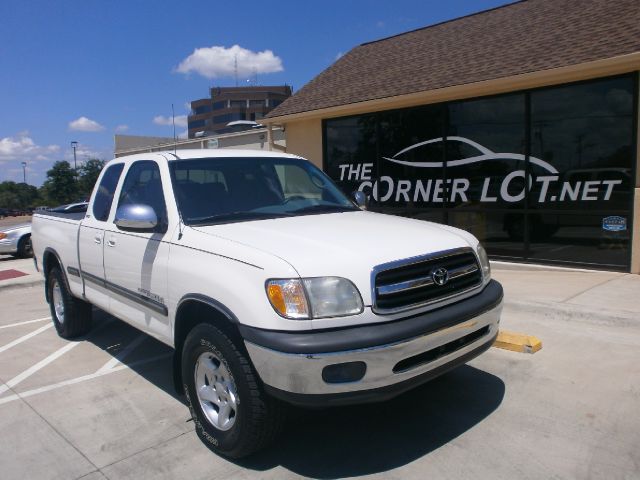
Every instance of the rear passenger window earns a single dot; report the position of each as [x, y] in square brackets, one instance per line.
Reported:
[143, 185]
[104, 196]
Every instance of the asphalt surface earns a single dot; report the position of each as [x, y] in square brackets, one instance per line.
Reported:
[104, 407]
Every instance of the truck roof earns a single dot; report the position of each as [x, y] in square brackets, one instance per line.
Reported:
[188, 154]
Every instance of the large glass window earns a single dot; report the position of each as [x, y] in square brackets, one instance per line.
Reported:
[485, 152]
[104, 196]
[486, 169]
[411, 164]
[544, 174]
[196, 123]
[202, 109]
[351, 152]
[585, 132]
[222, 190]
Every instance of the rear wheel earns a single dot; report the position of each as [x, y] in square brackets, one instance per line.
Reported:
[71, 316]
[232, 413]
[25, 249]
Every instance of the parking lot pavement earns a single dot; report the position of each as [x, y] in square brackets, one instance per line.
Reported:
[20, 272]
[104, 406]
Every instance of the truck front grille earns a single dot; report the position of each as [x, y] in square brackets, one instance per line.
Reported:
[418, 282]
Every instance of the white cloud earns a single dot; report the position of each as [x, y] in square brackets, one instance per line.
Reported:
[22, 147]
[217, 61]
[181, 120]
[339, 56]
[122, 128]
[84, 124]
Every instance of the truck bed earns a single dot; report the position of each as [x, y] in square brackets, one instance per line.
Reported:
[70, 216]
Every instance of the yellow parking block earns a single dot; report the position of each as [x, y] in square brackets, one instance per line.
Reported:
[517, 342]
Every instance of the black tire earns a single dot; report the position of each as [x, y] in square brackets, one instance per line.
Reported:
[258, 418]
[25, 249]
[75, 318]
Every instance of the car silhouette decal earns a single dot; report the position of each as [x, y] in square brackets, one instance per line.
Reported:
[486, 154]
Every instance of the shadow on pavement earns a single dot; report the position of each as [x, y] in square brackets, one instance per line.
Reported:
[374, 438]
[345, 441]
[113, 336]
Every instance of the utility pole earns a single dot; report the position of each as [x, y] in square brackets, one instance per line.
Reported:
[24, 172]
[74, 145]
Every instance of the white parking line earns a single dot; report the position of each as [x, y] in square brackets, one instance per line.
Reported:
[38, 366]
[25, 323]
[24, 338]
[121, 356]
[73, 381]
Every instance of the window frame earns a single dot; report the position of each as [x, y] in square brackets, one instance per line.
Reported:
[113, 194]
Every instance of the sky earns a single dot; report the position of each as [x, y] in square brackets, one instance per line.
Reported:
[85, 70]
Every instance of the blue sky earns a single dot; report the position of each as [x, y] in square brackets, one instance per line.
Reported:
[84, 70]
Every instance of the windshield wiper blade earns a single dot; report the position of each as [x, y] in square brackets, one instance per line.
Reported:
[325, 209]
[222, 217]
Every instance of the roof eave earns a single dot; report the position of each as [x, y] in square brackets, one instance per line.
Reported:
[571, 73]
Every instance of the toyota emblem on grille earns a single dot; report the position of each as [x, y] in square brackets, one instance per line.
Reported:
[440, 276]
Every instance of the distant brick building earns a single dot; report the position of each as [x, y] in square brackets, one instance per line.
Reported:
[229, 104]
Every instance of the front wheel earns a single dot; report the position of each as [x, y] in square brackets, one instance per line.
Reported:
[231, 411]
[71, 316]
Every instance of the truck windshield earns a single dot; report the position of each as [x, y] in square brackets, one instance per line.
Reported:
[223, 190]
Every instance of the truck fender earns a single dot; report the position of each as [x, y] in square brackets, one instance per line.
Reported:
[46, 268]
[217, 314]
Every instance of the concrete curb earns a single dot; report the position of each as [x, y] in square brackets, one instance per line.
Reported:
[517, 342]
[19, 285]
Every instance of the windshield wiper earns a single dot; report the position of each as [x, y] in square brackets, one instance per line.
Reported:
[233, 216]
[325, 209]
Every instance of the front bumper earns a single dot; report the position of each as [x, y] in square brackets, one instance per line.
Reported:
[399, 355]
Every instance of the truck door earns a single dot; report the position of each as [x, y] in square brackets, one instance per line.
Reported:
[91, 237]
[135, 261]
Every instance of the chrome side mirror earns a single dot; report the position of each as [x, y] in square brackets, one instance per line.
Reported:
[361, 199]
[141, 218]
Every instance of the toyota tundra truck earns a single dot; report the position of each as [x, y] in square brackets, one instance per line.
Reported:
[271, 285]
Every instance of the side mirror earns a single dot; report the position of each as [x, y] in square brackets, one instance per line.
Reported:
[361, 199]
[141, 218]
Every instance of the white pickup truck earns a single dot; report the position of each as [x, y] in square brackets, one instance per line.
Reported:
[270, 284]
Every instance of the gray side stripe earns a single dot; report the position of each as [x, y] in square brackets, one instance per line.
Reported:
[124, 292]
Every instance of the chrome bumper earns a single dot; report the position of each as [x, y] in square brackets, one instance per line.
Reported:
[302, 373]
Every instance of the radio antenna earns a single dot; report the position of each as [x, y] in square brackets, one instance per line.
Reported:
[173, 119]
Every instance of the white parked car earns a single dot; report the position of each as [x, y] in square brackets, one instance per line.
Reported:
[270, 284]
[16, 240]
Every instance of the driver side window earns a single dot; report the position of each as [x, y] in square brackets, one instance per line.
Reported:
[143, 185]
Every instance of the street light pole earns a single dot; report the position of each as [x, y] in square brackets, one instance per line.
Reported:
[24, 172]
[74, 145]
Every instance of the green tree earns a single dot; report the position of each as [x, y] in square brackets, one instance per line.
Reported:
[18, 195]
[60, 187]
[88, 175]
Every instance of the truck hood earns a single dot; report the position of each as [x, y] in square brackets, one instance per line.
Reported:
[347, 244]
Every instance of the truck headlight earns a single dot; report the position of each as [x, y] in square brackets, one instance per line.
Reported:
[484, 263]
[318, 297]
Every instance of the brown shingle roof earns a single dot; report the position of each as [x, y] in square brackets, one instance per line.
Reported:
[514, 39]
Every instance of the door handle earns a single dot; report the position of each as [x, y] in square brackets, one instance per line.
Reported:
[97, 239]
[111, 242]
